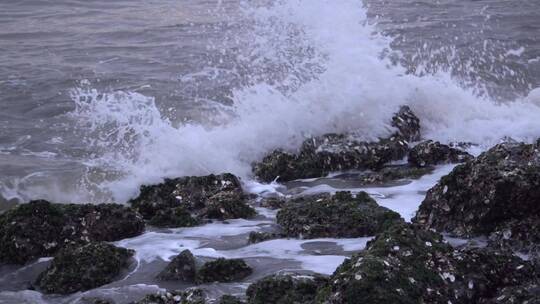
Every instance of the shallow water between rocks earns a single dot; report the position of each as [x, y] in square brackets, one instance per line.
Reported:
[229, 239]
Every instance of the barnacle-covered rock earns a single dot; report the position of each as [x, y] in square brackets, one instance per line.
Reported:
[430, 153]
[223, 270]
[79, 268]
[407, 264]
[496, 194]
[335, 152]
[286, 289]
[190, 296]
[186, 201]
[40, 228]
[339, 215]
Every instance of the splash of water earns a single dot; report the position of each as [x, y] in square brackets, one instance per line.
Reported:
[318, 68]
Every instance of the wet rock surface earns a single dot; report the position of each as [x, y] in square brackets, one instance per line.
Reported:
[285, 289]
[257, 237]
[182, 268]
[321, 155]
[407, 264]
[186, 201]
[429, 153]
[40, 228]
[223, 270]
[496, 194]
[339, 215]
[79, 268]
[190, 296]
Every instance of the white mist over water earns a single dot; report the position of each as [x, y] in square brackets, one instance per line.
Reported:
[335, 79]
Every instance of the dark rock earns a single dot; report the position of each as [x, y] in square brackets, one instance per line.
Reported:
[272, 202]
[332, 152]
[29, 231]
[183, 202]
[182, 268]
[223, 270]
[494, 194]
[173, 217]
[339, 215]
[407, 264]
[104, 222]
[80, 268]
[523, 294]
[487, 270]
[285, 289]
[228, 299]
[407, 123]
[430, 153]
[190, 296]
[39, 228]
[321, 155]
[286, 167]
[257, 237]
[520, 234]
[228, 205]
[390, 174]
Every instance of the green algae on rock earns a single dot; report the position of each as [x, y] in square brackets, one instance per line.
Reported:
[186, 201]
[407, 264]
[190, 296]
[339, 215]
[79, 268]
[223, 270]
[40, 228]
[285, 289]
[496, 194]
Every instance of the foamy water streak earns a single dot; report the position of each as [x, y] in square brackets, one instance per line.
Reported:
[350, 88]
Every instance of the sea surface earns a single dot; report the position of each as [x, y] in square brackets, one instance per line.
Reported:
[99, 97]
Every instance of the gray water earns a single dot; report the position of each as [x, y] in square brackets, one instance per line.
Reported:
[99, 97]
[189, 55]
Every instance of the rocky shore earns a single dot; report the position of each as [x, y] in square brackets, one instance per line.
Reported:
[495, 196]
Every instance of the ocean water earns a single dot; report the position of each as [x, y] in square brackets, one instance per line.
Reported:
[99, 97]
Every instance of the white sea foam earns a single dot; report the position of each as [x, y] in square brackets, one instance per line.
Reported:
[353, 89]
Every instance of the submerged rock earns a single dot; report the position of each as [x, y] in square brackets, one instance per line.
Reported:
[407, 264]
[223, 270]
[257, 237]
[339, 215]
[190, 296]
[498, 193]
[182, 268]
[430, 153]
[184, 202]
[39, 228]
[285, 289]
[321, 155]
[80, 268]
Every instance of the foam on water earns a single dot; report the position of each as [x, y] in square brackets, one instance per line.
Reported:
[352, 88]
